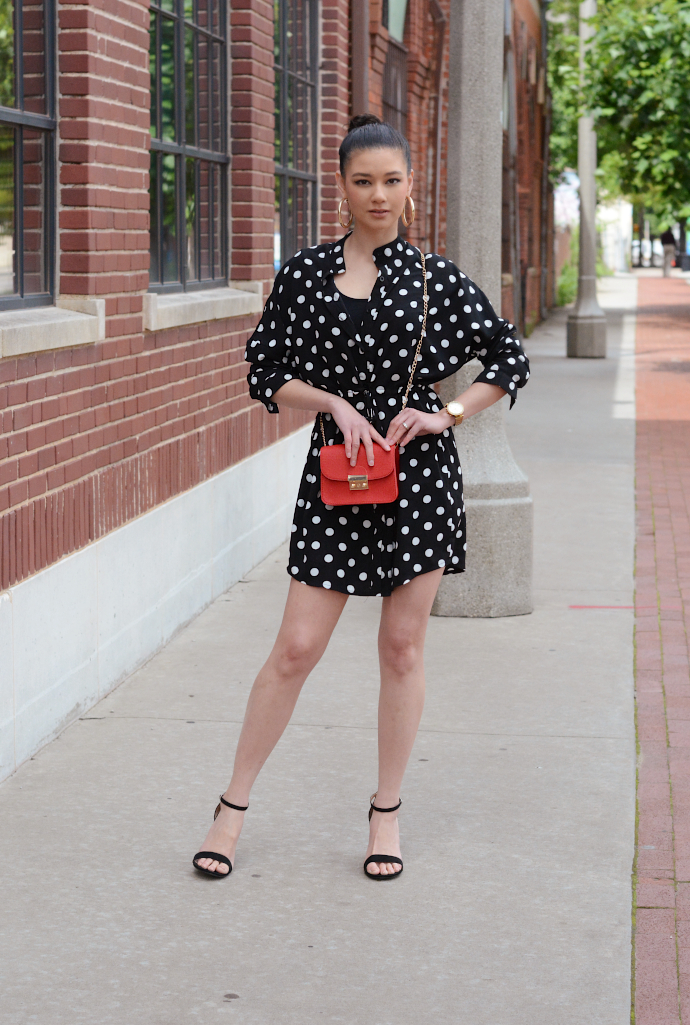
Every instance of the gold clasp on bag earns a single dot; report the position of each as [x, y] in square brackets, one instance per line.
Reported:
[358, 481]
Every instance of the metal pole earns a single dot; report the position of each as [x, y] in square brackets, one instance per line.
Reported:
[587, 322]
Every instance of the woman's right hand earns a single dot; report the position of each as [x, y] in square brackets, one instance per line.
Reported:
[356, 431]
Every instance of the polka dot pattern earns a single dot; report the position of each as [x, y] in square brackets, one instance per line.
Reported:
[305, 332]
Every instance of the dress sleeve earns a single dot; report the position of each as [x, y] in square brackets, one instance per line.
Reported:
[475, 329]
[269, 350]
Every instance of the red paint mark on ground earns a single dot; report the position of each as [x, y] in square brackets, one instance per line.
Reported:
[662, 934]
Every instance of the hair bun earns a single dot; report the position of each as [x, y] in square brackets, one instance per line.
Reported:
[360, 120]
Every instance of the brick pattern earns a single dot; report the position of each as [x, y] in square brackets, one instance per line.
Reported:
[662, 914]
[92, 437]
[252, 143]
[335, 108]
[103, 152]
[531, 126]
[421, 44]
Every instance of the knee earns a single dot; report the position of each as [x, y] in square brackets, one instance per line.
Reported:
[296, 656]
[401, 653]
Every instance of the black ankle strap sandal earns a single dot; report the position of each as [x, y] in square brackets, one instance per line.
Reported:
[385, 859]
[212, 854]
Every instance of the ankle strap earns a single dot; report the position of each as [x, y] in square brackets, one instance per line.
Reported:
[237, 807]
[383, 810]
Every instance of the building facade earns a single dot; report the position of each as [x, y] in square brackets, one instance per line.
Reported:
[157, 163]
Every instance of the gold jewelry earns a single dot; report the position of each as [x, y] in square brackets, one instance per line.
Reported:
[456, 410]
[340, 213]
[407, 221]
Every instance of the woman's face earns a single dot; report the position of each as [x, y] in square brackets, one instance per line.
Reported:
[376, 184]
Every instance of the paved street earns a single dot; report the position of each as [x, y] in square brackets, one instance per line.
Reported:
[662, 940]
[519, 803]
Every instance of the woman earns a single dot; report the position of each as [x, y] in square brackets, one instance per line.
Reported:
[338, 337]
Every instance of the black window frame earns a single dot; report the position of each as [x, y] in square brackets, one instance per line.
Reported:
[284, 172]
[394, 91]
[182, 150]
[18, 119]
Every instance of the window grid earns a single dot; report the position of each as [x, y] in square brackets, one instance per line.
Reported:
[27, 153]
[296, 126]
[395, 86]
[189, 160]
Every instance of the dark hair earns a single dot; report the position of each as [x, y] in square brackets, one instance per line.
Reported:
[366, 131]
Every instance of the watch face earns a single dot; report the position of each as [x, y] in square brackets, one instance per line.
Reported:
[455, 408]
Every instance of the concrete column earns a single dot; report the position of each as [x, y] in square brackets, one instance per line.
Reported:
[587, 322]
[498, 578]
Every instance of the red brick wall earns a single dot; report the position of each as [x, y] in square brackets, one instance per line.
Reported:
[92, 437]
[335, 107]
[421, 36]
[252, 140]
[90, 442]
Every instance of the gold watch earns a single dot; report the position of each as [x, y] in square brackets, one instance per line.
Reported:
[456, 410]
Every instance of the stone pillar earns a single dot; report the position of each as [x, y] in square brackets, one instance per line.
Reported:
[587, 322]
[498, 578]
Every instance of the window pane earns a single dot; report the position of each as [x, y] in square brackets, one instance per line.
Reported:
[154, 268]
[34, 56]
[277, 246]
[167, 79]
[295, 129]
[6, 53]
[217, 226]
[189, 80]
[7, 285]
[34, 227]
[299, 217]
[205, 220]
[217, 106]
[279, 149]
[190, 219]
[153, 76]
[168, 218]
[203, 51]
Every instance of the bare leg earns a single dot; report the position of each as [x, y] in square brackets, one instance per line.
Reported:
[310, 616]
[404, 620]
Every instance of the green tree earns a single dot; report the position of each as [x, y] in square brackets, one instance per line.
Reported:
[638, 88]
[564, 82]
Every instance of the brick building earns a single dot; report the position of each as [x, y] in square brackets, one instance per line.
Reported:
[156, 163]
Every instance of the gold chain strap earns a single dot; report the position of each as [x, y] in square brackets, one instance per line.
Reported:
[421, 336]
[419, 346]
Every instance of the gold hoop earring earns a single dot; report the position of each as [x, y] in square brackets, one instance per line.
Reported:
[407, 222]
[340, 213]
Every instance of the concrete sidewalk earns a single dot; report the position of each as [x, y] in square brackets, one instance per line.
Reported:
[518, 815]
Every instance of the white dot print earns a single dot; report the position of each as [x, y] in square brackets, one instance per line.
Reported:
[362, 351]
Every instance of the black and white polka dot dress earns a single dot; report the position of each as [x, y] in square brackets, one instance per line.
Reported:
[306, 332]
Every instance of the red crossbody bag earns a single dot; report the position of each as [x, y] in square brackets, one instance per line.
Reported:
[343, 484]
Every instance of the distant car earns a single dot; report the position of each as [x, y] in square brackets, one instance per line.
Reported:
[646, 253]
[635, 253]
[657, 253]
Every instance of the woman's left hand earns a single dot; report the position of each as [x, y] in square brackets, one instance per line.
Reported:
[411, 422]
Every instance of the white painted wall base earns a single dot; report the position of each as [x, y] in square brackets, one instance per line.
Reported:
[72, 632]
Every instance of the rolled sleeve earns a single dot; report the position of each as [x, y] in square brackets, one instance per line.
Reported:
[269, 353]
[481, 333]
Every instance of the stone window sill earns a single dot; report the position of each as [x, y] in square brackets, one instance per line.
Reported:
[179, 308]
[68, 324]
